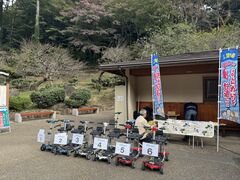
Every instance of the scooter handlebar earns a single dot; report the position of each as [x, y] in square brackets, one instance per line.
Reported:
[83, 122]
[59, 125]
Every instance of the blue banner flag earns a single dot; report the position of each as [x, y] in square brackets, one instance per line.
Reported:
[157, 96]
[229, 100]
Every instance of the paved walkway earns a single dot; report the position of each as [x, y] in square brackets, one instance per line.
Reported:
[20, 158]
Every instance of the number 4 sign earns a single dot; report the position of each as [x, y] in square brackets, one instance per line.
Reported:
[60, 138]
[41, 136]
[150, 149]
[122, 148]
[100, 143]
[77, 138]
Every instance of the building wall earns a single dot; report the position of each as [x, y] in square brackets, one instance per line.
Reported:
[176, 88]
[131, 95]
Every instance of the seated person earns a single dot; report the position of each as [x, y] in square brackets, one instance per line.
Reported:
[140, 123]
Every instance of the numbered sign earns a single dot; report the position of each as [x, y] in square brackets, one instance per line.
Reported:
[122, 148]
[150, 149]
[41, 136]
[77, 138]
[60, 138]
[100, 143]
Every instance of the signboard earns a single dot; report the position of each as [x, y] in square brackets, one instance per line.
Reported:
[41, 136]
[157, 96]
[100, 143]
[229, 100]
[123, 148]
[190, 128]
[4, 118]
[3, 95]
[60, 138]
[77, 138]
[150, 149]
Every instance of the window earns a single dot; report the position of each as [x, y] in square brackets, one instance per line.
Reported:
[210, 89]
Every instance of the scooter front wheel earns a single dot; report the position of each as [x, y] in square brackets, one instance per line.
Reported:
[133, 165]
[161, 170]
[109, 160]
[75, 154]
[54, 150]
[166, 158]
[68, 153]
[43, 147]
[88, 156]
[143, 166]
[117, 162]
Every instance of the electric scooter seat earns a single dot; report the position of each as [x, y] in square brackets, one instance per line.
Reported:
[98, 131]
[159, 133]
[69, 127]
[115, 133]
[161, 140]
[78, 131]
[134, 134]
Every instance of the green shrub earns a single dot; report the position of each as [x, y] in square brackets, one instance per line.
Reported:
[109, 81]
[48, 97]
[20, 103]
[21, 83]
[73, 80]
[78, 98]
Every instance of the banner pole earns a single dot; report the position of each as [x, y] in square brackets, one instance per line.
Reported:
[219, 97]
[152, 87]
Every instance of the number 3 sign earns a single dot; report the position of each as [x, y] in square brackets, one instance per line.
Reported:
[77, 139]
[60, 138]
[150, 149]
[100, 143]
[122, 148]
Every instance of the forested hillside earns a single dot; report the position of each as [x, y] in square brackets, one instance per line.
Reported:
[45, 42]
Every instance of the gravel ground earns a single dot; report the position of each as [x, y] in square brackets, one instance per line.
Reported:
[20, 158]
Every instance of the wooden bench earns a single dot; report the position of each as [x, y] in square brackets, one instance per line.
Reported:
[94, 110]
[33, 115]
[229, 128]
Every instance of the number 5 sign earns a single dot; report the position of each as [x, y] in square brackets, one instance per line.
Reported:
[100, 143]
[77, 139]
[150, 149]
[60, 138]
[122, 148]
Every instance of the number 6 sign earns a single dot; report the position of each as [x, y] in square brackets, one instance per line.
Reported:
[100, 143]
[150, 149]
[60, 138]
[122, 148]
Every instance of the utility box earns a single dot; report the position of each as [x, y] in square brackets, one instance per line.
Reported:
[120, 104]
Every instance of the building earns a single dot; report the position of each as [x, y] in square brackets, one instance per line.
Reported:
[190, 77]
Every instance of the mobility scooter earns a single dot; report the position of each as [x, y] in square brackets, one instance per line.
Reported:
[49, 145]
[157, 163]
[109, 153]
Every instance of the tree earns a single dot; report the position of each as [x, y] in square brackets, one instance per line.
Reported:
[184, 38]
[90, 30]
[120, 53]
[45, 62]
[37, 26]
[1, 23]
[137, 19]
